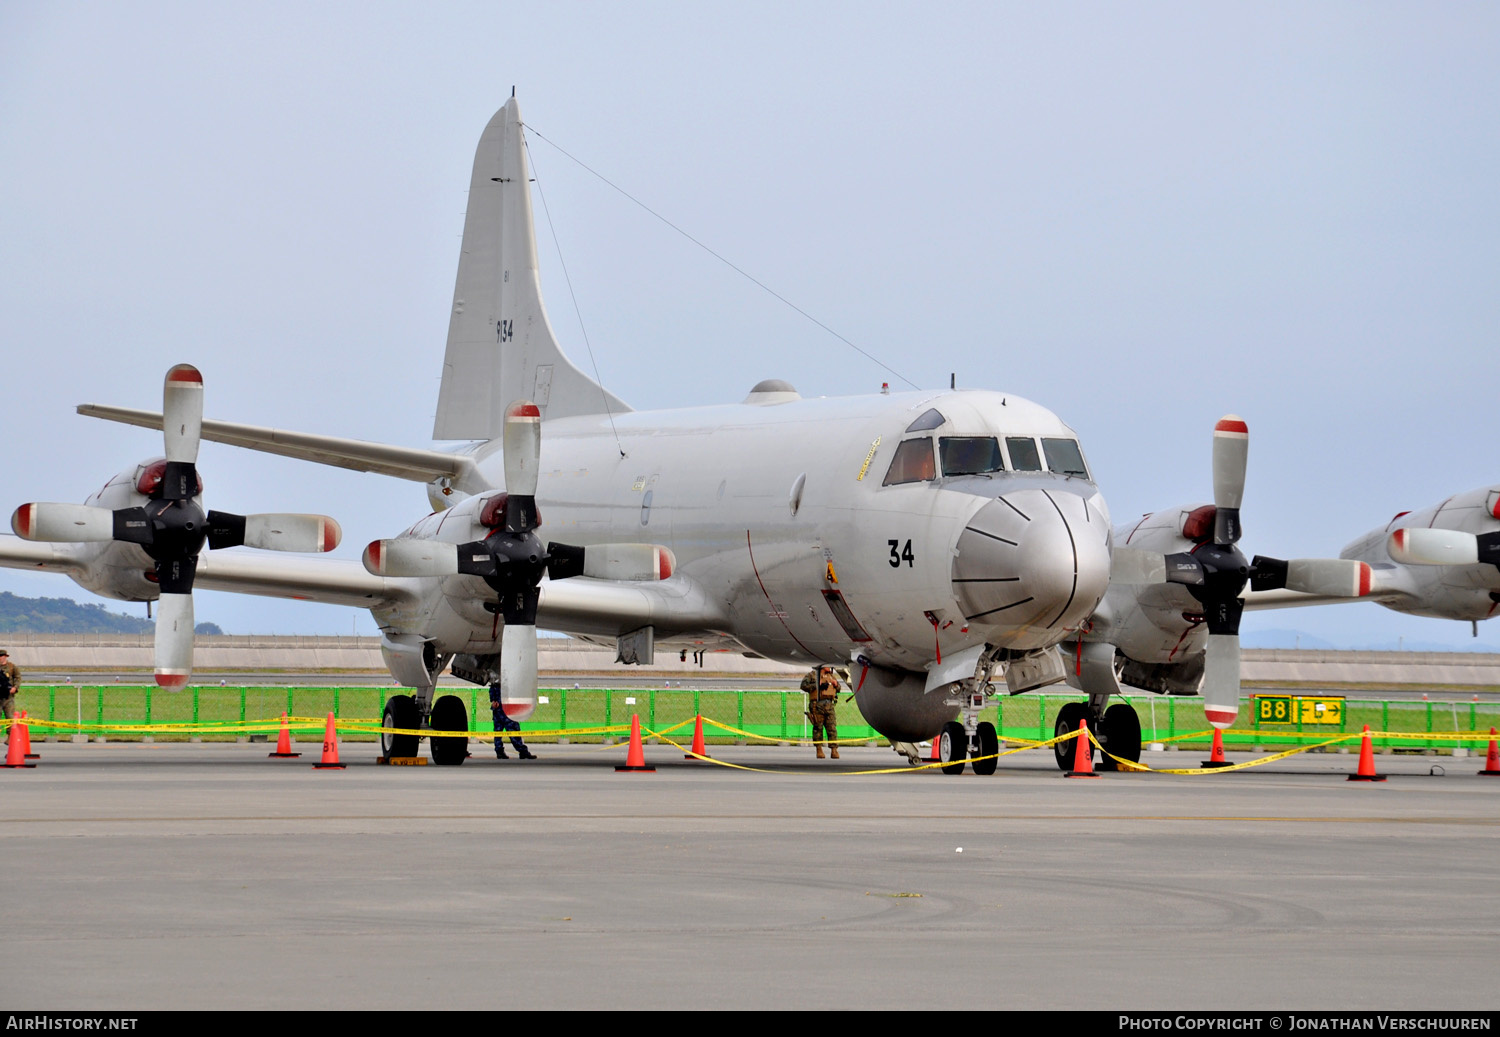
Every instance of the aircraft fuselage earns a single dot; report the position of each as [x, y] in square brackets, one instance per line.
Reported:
[791, 540]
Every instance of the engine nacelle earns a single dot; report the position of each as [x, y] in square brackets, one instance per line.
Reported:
[896, 704]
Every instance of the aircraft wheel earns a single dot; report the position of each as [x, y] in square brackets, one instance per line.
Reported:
[400, 712]
[449, 714]
[953, 747]
[1067, 722]
[989, 745]
[1123, 725]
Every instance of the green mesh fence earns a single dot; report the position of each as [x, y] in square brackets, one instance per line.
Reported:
[227, 713]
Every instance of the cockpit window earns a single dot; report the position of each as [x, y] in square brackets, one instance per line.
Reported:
[912, 463]
[930, 419]
[1023, 454]
[970, 455]
[1063, 456]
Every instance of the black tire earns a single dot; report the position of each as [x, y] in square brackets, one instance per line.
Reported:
[988, 745]
[953, 747]
[400, 712]
[449, 714]
[1122, 728]
[1067, 722]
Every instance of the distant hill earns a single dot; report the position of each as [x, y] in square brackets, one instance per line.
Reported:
[65, 616]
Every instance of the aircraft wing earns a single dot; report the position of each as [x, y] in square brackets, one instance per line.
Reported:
[331, 581]
[609, 608]
[16, 553]
[411, 463]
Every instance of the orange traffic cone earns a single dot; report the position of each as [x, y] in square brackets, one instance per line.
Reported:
[1216, 755]
[699, 750]
[1492, 760]
[933, 755]
[1083, 756]
[283, 743]
[26, 739]
[635, 758]
[15, 755]
[1366, 770]
[330, 760]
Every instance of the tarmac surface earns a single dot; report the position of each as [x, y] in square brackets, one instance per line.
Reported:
[152, 876]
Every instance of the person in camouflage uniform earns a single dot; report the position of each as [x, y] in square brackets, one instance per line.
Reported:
[821, 686]
[10, 683]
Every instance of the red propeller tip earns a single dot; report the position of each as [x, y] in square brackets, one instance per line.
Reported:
[1220, 717]
[172, 680]
[523, 409]
[185, 374]
[330, 534]
[1233, 425]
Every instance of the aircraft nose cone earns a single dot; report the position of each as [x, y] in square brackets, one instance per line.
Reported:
[1032, 563]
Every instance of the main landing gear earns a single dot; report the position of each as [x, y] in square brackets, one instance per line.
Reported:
[403, 712]
[1116, 727]
[1118, 730]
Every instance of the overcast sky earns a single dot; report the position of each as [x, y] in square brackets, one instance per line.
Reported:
[1142, 216]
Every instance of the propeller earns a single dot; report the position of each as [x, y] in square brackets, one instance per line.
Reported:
[171, 527]
[1421, 546]
[512, 558]
[1216, 572]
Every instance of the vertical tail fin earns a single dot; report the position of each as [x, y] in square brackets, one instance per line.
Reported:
[500, 344]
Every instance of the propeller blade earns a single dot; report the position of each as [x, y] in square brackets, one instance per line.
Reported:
[1231, 452]
[1221, 679]
[645, 563]
[63, 523]
[182, 413]
[407, 557]
[174, 640]
[1184, 568]
[1433, 547]
[518, 670]
[1327, 577]
[1133, 567]
[564, 561]
[273, 532]
[523, 447]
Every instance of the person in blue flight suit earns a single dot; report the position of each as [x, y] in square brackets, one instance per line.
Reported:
[503, 722]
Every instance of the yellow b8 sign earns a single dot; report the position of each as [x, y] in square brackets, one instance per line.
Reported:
[1300, 709]
[1275, 709]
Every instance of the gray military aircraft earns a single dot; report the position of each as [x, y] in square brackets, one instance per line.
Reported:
[932, 540]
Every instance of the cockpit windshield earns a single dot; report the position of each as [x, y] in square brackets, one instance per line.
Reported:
[1024, 456]
[912, 463]
[1064, 457]
[970, 455]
